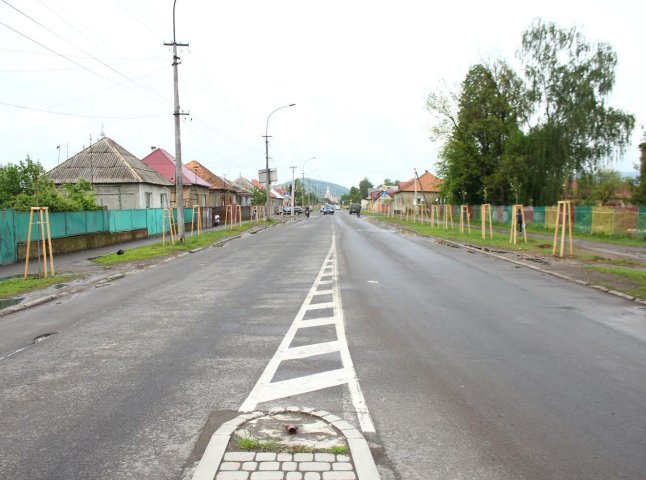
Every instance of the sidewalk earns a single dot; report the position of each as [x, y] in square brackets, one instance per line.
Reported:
[291, 443]
[80, 261]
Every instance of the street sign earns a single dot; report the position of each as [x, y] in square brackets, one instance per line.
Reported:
[262, 175]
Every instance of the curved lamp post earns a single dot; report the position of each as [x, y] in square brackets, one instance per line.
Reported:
[267, 181]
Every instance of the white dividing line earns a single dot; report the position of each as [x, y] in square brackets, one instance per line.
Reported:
[265, 390]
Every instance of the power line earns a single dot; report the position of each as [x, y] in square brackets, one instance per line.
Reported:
[81, 116]
[70, 43]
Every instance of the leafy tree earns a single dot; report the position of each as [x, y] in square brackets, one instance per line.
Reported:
[364, 186]
[569, 81]
[27, 185]
[478, 142]
[600, 187]
[258, 196]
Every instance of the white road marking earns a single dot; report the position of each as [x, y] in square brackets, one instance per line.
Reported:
[265, 390]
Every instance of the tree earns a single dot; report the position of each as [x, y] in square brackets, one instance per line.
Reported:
[600, 187]
[364, 186]
[27, 185]
[258, 196]
[479, 141]
[569, 82]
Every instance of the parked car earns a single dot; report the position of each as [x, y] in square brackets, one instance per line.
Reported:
[355, 208]
[328, 208]
[337, 207]
[288, 210]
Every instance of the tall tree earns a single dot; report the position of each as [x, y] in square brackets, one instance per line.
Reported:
[489, 106]
[569, 82]
[364, 186]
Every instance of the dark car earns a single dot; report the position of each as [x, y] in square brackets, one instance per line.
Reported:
[328, 208]
[355, 208]
[288, 210]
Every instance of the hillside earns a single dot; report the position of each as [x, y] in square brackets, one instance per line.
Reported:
[320, 187]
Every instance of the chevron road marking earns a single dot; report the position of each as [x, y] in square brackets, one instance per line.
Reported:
[265, 390]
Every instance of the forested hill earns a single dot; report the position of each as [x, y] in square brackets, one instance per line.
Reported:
[320, 187]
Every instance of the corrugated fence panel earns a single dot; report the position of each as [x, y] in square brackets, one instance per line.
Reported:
[642, 222]
[120, 221]
[583, 219]
[8, 251]
[154, 221]
[96, 221]
[75, 223]
[550, 216]
[626, 221]
[603, 220]
[539, 216]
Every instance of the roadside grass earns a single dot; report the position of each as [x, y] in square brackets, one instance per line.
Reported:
[634, 276]
[12, 287]
[501, 238]
[474, 237]
[158, 249]
[255, 445]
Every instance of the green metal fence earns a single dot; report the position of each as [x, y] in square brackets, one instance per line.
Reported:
[14, 226]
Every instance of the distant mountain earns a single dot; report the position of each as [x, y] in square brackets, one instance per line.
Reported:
[320, 187]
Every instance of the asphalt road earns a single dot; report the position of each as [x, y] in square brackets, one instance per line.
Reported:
[467, 366]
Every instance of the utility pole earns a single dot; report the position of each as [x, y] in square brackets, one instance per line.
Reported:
[179, 184]
[293, 189]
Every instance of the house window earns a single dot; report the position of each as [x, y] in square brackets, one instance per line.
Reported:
[163, 200]
[149, 197]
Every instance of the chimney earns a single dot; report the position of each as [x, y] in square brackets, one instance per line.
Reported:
[153, 148]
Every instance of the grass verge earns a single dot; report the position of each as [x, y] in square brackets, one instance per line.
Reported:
[13, 287]
[637, 279]
[156, 250]
[255, 445]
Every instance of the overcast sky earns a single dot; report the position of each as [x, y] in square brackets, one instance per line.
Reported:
[358, 71]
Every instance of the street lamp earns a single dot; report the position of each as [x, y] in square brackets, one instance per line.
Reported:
[267, 181]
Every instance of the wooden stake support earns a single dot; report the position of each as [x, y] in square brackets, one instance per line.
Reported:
[513, 234]
[447, 216]
[464, 213]
[485, 215]
[239, 215]
[196, 213]
[564, 210]
[168, 217]
[228, 216]
[45, 239]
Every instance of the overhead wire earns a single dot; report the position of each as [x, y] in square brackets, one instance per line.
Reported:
[79, 115]
[146, 88]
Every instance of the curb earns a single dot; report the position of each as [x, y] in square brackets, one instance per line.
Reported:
[364, 464]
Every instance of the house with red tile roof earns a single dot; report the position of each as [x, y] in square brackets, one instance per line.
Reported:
[196, 189]
[419, 190]
[222, 192]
